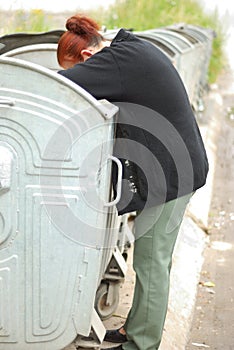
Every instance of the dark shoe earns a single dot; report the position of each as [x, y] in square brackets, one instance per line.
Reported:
[117, 348]
[114, 336]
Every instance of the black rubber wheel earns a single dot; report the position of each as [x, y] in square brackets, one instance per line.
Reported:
[106, 311]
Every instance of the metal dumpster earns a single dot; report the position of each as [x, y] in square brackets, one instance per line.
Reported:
[42, 54]
[202, 39]
[204, 36]
[186, 63]
[13, 41]
[39, 48]
[42, 49]
[57, 216]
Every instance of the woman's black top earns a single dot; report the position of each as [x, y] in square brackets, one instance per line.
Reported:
[157, 137]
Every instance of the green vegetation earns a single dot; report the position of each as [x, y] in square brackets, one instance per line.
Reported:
[134, 14]
[148, 14]
[37, 21]
[145, 14]
[27, 21]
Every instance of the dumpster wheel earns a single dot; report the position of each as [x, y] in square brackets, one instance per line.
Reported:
[107, 299]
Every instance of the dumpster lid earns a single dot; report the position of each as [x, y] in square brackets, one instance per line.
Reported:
[12, 41]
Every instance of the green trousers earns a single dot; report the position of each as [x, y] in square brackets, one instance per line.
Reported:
[156, 230]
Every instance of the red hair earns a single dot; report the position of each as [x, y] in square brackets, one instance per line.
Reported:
[81, 33]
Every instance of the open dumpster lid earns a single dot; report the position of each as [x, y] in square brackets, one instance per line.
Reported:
[13, 41]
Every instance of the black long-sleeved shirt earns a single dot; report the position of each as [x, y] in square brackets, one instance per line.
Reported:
[157, 132]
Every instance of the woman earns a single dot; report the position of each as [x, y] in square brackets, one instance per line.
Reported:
[161, 149]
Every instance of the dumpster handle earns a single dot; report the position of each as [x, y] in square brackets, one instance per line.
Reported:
[7, 102]
[119, 182]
